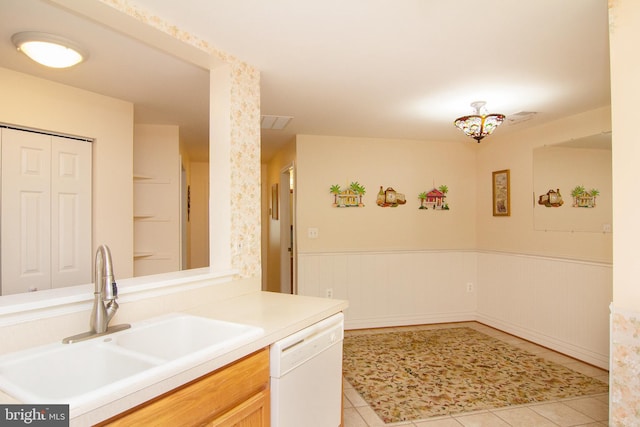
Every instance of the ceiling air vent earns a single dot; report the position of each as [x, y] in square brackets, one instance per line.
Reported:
[520, 116]
[274, 122]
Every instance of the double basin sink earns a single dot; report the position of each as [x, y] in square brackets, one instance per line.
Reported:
[94, 371]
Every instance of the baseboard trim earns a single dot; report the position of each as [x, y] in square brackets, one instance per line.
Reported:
[422, 319]
[571, 350]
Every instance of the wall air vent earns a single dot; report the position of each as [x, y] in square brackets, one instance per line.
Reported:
[274, 122]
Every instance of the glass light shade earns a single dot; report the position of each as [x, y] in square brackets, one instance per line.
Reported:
[48, 49]
[477, 126]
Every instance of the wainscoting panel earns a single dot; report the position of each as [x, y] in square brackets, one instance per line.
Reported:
[393, 288]
[561, 304]
[558, 303]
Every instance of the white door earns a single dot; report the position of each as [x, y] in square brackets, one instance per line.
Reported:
[26, 201]
[46, 212]
[70, 212]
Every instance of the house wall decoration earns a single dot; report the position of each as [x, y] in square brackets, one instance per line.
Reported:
[390, 198]
[583, 198]
[436, 198]
[348, 197]
[551, 199]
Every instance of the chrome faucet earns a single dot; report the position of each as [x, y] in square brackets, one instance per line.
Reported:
[106, 291]
[104, 299]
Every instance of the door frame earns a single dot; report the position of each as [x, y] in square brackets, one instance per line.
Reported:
[288, 256]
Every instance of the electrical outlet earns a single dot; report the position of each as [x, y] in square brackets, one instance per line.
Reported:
[469, 287]
[329, 292]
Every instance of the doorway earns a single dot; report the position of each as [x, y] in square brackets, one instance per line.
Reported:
[288, 283]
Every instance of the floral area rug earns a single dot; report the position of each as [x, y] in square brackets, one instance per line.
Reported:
[424, 373]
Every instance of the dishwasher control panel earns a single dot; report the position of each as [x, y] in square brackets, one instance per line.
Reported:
[297, 348]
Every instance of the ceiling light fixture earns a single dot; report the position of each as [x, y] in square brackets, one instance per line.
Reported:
[478, 125]
[49, 49]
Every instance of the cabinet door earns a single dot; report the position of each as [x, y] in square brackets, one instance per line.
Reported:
[254, 412]
[26, 201]
[239, 390]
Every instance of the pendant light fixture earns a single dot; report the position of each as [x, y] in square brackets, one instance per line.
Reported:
[477, 125]
[49, 49]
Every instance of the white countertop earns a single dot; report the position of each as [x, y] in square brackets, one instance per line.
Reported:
[279, 315]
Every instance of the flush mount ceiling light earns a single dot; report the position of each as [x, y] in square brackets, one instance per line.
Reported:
[49, 49]
[477, 126]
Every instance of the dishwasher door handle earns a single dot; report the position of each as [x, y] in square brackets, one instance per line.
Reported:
[292, 345]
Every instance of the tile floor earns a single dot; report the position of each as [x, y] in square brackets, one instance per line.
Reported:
[591, 411]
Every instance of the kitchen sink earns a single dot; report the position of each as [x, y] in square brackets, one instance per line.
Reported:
[88, 372]
[184, 335]
[61, 373]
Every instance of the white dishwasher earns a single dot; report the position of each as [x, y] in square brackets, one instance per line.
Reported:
[306, 376]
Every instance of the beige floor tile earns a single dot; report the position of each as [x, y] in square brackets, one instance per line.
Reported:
[346, 403]
[591, 407]
[354, 397]
[523, 417]
[352, 418]
[485, 419]
[370, 416]
[438, 422]
[604, 397]
[561, 414]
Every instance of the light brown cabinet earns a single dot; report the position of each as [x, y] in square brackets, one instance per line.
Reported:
[236, 395]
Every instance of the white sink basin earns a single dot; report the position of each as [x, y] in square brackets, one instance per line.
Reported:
[61, 373]
[183, 335]
[84, 374]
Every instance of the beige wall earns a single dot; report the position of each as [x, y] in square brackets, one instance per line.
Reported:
[625, 93]
[41, 104]
[410, 167]
[563, 168]
[624, 33]
[199, 218]
[515, 152]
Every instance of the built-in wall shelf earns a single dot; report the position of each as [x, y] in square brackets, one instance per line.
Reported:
[143, 216]
[137, 255]
[150, 256]
[138, 177]
[146, 179]
[157, 199]
[150, 218]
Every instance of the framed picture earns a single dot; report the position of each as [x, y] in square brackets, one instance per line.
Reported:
[501, 196]
[274, 201]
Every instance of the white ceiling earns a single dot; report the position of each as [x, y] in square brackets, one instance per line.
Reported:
[370, 68]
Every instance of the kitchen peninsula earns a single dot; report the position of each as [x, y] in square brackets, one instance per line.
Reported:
[215, 296]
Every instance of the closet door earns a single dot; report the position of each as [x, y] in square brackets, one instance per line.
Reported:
[26, 202]
[71, 255]
[46, 212]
